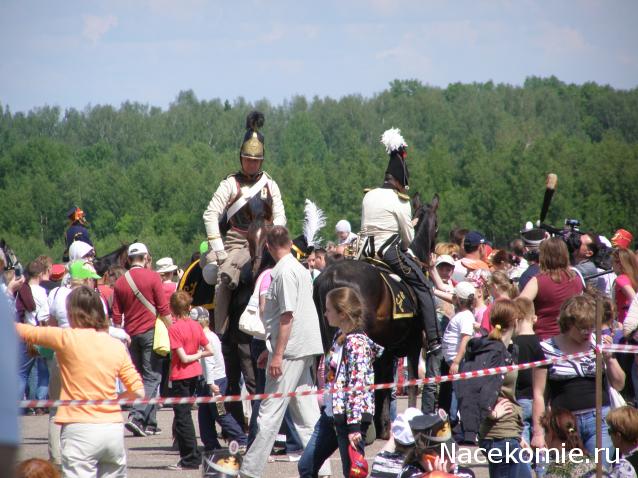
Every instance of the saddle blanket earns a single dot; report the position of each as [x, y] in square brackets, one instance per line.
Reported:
[404, 305]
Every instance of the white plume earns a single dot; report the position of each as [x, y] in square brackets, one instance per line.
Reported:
[392, 140]
[314, 220]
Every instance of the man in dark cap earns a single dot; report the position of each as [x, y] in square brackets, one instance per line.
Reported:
[77, 230]
[386, 220]
[239, 199]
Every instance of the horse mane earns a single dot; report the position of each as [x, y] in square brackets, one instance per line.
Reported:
[425, 230]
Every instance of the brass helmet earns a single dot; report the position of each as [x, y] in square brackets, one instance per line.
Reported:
[253, 144]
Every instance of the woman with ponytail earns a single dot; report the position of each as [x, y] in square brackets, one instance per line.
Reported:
[488, 405]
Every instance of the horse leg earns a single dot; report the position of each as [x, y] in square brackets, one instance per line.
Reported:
[383, 374]
[413, 373]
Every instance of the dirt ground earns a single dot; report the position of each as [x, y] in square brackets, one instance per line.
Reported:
[149, 456]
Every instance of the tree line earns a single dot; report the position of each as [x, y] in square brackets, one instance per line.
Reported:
[145, 173]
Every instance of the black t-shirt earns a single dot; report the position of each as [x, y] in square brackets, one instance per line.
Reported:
[529, 350]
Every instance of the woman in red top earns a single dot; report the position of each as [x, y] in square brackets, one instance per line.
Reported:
[554, 285]
[625, 266]
[186, 336]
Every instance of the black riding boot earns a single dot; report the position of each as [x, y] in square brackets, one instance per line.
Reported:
[407, 268]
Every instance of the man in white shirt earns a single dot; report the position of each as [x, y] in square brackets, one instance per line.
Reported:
[293, 341]
[386, 219]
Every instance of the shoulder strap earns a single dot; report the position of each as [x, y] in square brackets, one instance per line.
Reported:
[242, 200]
[138, 294]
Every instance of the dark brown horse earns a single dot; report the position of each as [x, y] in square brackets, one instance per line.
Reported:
[116, 258]
[400, 338]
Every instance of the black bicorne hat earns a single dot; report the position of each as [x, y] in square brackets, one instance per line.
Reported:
[300, 248]
[396, 147]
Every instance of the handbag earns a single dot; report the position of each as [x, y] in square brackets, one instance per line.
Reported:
[161, 341]
[250, 321]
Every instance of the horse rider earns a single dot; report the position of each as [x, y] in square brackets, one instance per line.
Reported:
[240, 198]
[76, 231]
[386, 220]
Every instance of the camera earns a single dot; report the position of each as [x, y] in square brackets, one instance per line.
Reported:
[573, 224]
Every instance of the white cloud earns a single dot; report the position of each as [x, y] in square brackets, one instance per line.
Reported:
[407, 57]
[96, 27]
[178, 9]
[560, 40]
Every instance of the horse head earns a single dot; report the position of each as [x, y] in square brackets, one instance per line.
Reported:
[259, 256]
[116, 258]
[12, 261]
[426, 227]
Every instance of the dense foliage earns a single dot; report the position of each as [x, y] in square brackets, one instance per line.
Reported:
[144, 173]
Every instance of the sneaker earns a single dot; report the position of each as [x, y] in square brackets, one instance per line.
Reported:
[153, 430]
[179, 467]
[135, 427]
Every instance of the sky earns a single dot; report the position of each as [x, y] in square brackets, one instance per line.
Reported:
[75, 53]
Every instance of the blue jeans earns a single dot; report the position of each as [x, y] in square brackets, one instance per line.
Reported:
[505, 469]
[526, 405]
[149, 366]
[432, 392]
[587, 428]
[325, 439]
[25, 365]
[209, 413]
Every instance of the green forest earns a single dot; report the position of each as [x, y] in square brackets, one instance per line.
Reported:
[145, 173]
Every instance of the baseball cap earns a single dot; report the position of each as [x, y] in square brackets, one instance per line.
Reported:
[474, 238]
[82, 270]
[401, 430]
[463, 290]
[444, 259]
[137, 249]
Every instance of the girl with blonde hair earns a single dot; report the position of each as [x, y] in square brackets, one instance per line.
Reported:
[349, 364]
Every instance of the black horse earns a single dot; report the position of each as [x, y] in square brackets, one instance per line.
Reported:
[400, 338]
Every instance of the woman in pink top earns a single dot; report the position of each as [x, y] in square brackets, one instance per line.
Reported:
[554, 285]
[625, 266]
[90, 360]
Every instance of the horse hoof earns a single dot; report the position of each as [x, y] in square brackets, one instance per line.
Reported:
[384, 435]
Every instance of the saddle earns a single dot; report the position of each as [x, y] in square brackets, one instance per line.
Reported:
[404, 303]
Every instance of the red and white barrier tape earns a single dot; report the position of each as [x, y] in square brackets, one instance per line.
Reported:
[262, 396]
[619, 348]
